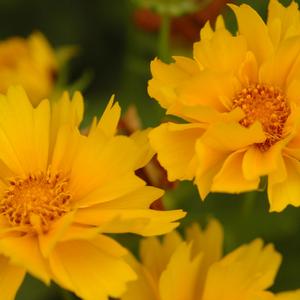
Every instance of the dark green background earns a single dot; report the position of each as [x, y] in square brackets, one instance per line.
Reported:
[118, 54]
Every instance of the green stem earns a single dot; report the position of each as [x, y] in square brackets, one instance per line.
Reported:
[249, 203]
[164, 38]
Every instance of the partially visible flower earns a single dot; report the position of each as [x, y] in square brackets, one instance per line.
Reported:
[194, 269]
[61, 192]
[240, 98]
[29, 62]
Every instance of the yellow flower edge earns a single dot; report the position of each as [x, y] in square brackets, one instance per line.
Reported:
[62, 192]
[240, 99]
[195, 269]
[29, 62]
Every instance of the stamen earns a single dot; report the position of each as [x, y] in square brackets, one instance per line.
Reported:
[36, 201]
[266, 104]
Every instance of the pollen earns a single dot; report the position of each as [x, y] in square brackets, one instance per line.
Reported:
[35, 202]
[269, 106]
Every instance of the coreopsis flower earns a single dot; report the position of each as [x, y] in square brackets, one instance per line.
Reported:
[195, 269]
[240, 99]
[29, 62]
[61, 192]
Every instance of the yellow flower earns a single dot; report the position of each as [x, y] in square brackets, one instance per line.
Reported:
[30, 63]
[240, 98]
[62, 191]
[195, 269]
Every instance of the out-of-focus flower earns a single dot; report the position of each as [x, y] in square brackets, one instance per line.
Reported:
[240, 96]
[195, 269]
[186, 26]
[62, 191]
[29, 62]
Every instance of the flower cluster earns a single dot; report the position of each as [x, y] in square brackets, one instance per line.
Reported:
[66, 191]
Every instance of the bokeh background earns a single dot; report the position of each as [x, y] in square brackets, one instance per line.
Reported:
[116, 43]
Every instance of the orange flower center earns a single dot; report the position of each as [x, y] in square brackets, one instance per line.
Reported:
[269, 106]
[36, 201]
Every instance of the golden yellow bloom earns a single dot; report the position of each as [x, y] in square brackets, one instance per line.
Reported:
[62, 191]
[30, 63]
[195, 269]
[240, 96]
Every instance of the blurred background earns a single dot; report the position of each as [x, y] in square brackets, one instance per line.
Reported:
[116, 40]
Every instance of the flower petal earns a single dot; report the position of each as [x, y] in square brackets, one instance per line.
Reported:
[287, 191]
[181, 272]
[30, 258]
[92, 269]
[209, 242]
[222, 52]
[167, 78]
[175, 145]
[291, 295]
[230, 178]
[11, 278]
[255, 31]
[155, 255]
[231, 136]
[145, 222]
[257, 163]
[244, 273]
[109, 119]
[279, 69]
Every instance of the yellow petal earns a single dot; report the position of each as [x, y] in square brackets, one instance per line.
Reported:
[92, 269]
[209, 88]
[248, 70]
[209, 243]
[222, 53]
[175, 145]
[65, 111]
[66, 147]
[230, 178]
[30, 258]
[11, 278]
[97, 164]
[210, 162]
[34, 125]
[145, 152]
[145, 287]
[257, 163]
[291, 295]
[112, 190]
[253, 28]
[181, 272]
[167, 78]
[146, 222]
[279, 69]
[217, 135]
[48, 240]
[155, 255]
[243, 274]
[287, 17]
[110, 118]
[285, 192]
[141, 197]
[292, 93]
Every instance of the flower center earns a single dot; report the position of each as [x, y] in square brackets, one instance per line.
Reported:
[36, 201]
[269, 106]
